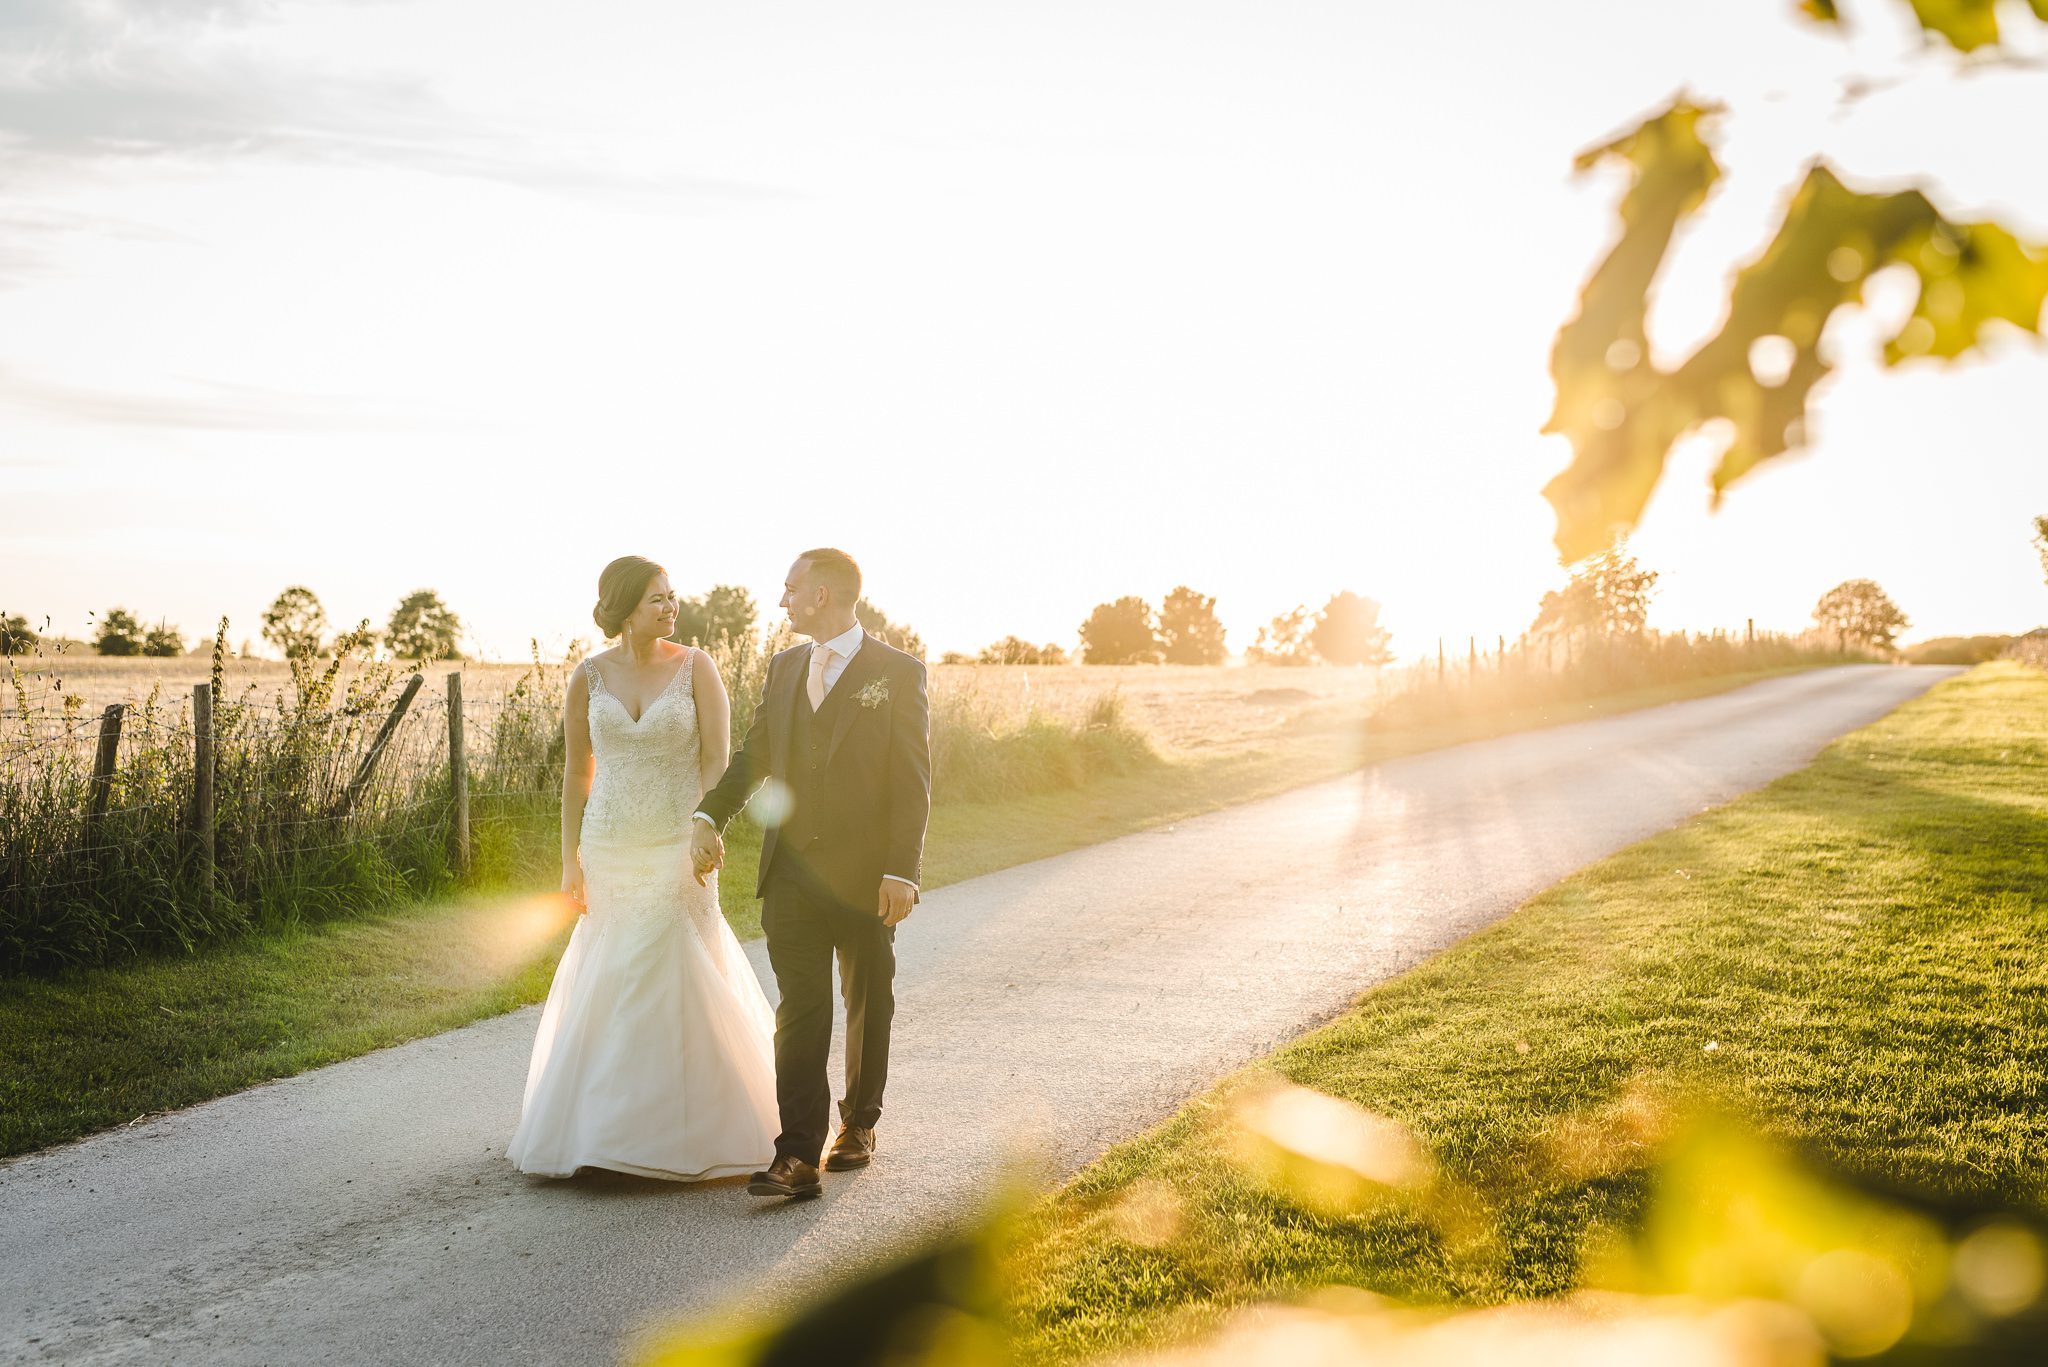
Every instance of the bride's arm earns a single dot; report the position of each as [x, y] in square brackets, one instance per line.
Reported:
[576, 772]
[714, 721]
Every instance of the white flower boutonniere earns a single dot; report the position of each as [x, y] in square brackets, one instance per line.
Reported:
[874, 695]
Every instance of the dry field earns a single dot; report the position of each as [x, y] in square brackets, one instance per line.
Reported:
[1183, 708]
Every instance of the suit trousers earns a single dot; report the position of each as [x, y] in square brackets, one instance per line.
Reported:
[805, 926]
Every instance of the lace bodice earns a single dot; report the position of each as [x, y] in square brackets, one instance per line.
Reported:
[647, 778]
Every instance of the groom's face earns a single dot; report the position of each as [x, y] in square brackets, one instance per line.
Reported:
[803, 598]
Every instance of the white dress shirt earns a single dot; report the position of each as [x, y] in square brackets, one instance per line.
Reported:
[844, 647]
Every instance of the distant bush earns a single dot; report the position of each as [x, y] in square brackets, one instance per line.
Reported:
[1189, 631]
[423, 628]
[1121, 633]
[1285, 640]
[2031, 648]
[1348, 632]
[1957, 650]
[17, 637]
[295, 622]
[1015, 650]
[1859, 613]
[877, 624]
[720, 618]
[119, 633]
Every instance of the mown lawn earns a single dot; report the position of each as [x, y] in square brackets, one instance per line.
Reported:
[85, 1050]
[1852, 958]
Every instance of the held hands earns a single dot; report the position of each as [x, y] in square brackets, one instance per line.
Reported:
[896, 900]
[707, 850]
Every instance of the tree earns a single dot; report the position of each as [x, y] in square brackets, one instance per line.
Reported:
[1859, 613]
[2041, 543]
[1608, 593]
[1015, 650]
[877, 624]
[721, 618]
[422, 628]
[1622, 412]
[294, 622]
[1348, 632]
[119, 633]
[1189, 633]
[16, 636]
[1285, 640]
[1120, 633]
[163, 641]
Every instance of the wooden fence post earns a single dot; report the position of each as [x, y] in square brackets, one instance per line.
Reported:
[458, 770]
[1752, 631]
[1471, 657]
[202, 786]
[369, 764]
[1439, 659]
[103, 768]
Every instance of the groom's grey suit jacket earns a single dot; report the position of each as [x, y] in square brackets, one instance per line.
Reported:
[858, 771]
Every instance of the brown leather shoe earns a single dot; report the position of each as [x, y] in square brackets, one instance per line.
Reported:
[786, 1176]
[854, 1147]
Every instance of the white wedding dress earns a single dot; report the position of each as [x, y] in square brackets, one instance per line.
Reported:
[656, 1053]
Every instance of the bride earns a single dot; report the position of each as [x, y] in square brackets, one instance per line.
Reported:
[655, 1054]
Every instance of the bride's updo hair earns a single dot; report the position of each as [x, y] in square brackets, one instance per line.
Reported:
[619, 590]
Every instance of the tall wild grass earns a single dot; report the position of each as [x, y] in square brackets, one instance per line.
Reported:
[1590, 665]
[287, 850]
[79, 891]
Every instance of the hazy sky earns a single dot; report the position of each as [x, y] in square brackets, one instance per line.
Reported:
[1026, 305]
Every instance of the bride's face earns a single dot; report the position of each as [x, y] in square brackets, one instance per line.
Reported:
[655, 617]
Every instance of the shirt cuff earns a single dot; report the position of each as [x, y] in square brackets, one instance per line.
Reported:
[705, 819]
[894, 879]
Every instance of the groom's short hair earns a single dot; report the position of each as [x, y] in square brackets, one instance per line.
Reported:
[836, 570]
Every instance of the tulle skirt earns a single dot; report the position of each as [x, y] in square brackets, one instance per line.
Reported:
[655, 1054]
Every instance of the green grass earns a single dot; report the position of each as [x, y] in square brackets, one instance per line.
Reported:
[92, 1048]
[1861, 942]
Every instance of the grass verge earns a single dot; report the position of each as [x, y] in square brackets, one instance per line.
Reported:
[1858, 943]
[89, 1049]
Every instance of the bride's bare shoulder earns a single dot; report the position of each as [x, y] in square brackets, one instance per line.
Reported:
[704, 669]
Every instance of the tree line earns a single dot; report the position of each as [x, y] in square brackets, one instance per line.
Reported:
[1185, 630]
[421, 627]
[1606, 594]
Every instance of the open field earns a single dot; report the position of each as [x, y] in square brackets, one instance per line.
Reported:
[1848, 958]
[87, 1048]
[1183, 708]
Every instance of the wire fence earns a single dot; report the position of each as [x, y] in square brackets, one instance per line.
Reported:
[173, 821]
[1474, 674]
[352, 783]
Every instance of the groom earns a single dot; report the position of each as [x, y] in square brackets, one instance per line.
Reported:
[843, 730]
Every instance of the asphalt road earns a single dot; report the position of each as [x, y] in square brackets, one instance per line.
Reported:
[364, 1213]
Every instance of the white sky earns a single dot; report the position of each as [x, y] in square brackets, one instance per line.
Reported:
[1028, 306]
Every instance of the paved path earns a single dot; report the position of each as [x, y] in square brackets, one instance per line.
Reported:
[364, 1212]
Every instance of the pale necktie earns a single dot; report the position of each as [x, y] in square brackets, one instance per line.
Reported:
[820, 657]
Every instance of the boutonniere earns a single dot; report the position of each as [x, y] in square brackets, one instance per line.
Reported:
[874, 695]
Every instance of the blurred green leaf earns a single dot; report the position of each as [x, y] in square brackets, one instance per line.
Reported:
[935, 1307]
[1623, 413]
[1967, 24]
